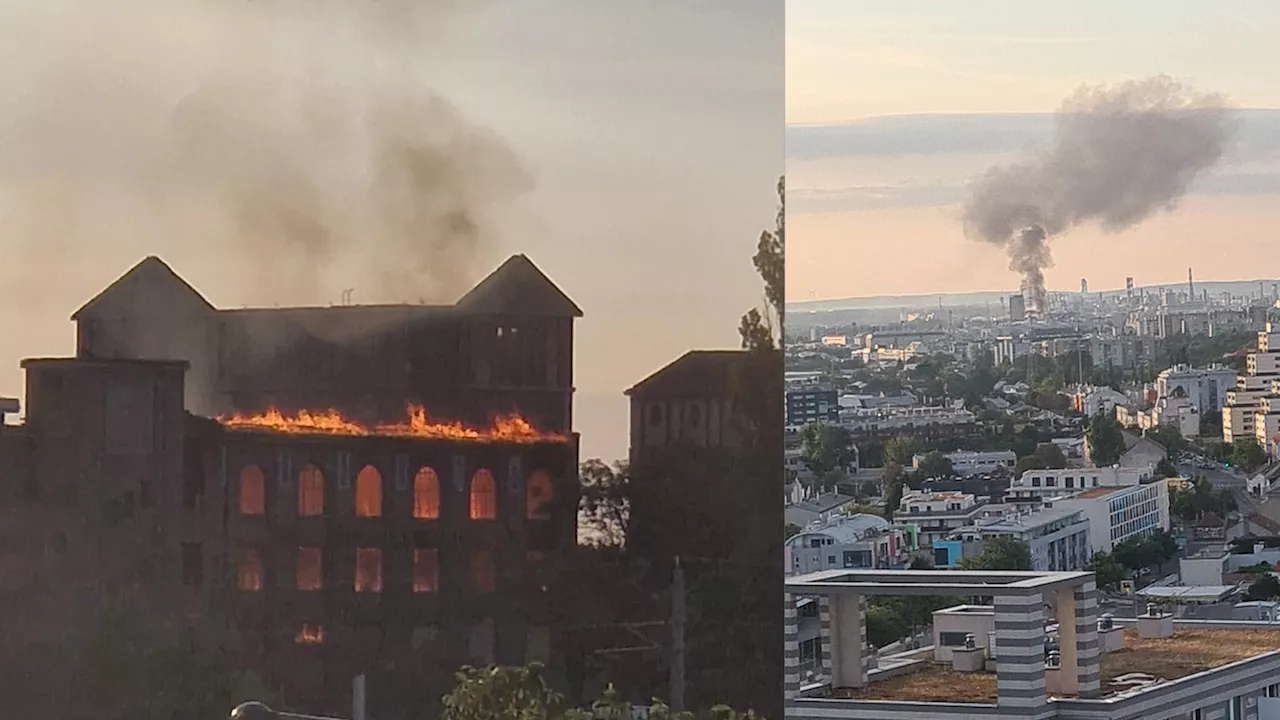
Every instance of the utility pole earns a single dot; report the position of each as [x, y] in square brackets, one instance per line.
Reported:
[676, 679]
[357, 698]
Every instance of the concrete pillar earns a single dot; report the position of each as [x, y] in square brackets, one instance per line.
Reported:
[824, 636]
[1088, 650]
[1066, 681]
[790, 647]
[848, 641]
[1020, 642]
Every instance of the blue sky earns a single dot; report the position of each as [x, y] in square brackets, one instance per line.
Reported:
[892, 109]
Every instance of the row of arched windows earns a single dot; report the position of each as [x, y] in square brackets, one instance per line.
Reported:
[368, 493]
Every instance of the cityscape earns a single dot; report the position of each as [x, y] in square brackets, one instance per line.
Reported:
[1032, 393]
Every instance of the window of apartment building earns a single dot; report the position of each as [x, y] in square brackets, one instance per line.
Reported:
[310, 634]
[310, 569]
[1068, 482]
[1035, 482]
[310, 492]
[426, 570]
[192, 564]
[484, 496]
[368, 570]
[249, 570]
[538, 494]
[483, 571]
[952, 639]
[369, 493]
[253, 491]
[426, 494]
[1051, 482]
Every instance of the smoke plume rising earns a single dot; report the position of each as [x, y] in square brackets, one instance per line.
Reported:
[1119, 155]
[287, 139]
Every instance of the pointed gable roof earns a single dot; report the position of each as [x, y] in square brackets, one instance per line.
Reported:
[152, 270]
[697, 373]
[518, 287]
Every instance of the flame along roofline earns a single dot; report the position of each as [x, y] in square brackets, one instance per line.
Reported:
[511, 428]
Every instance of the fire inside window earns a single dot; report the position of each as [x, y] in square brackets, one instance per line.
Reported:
[310, 492]
[368, 570]
[538, 495]
[249, 570]
[483, 571]
[426, 570]
[310, 634]
[484, 496]
[310, 569]
[426, 495]
[369, 493]
[253, 492]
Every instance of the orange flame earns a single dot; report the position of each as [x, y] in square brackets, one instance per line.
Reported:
[512, 428]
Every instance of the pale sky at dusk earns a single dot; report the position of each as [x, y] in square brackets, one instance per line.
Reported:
[892, 108]
[650, 131]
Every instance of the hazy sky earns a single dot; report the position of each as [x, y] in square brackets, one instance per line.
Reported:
[646, 133]
[892, 108]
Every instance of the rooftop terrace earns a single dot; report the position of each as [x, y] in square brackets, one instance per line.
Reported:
[1186, 653]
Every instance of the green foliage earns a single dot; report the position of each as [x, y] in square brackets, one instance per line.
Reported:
[1144, 551]
[1166, 469]
[1248, 455]
[935, 465]
[885, 625]
[1107, 570]
[1106, 441]
[791, 531]
[1000, 553]
[760, 330]
[1169, 437]
[901, 450]
[825, 447]
[522, 693]
[1192, 503]
[890, 619]
[892, 498]
[1266, 587]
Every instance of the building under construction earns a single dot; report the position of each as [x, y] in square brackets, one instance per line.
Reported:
[342, 490]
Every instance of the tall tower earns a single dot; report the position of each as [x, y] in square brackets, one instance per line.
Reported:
[1191, 286]
[1084, 286]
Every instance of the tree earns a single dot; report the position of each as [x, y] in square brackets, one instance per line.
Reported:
[1143, 551]
[885, 625]
[790, 531]
[901, 450]
[1052, 455]
[1248, 455]
[1108, 573]
[1166, 469]
[921, 562]
[604, 508]
[522, 693]
[1169, 437]
[760, 330]
[1000, 553]
[1106, 440]
[825, 447]
[1191, 503]
[870, 488]
[892, 499]
[1266, 587]
[935, 465]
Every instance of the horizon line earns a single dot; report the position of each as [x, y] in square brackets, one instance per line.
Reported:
[951, 113]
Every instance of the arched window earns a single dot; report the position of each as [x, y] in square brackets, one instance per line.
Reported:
[249, 570]
[369, 493]
[253, 491]
[426, 495]
[537, 496]
[310, 492]
[484, 496]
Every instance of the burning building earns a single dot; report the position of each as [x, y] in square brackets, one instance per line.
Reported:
[286, 475]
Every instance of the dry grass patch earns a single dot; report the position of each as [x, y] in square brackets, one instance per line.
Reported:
[1186, 653]
[928, 682]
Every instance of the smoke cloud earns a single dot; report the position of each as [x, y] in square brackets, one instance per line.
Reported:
[1119, 155]
[286, 138]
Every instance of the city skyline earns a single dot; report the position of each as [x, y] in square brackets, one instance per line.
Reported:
[872, 167]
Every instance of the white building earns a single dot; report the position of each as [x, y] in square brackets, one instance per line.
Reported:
[1058, 538]
[1205, 388]
[1038, 486]
[966, 462]
[1093, 400]
[937, 514]
[1239, 415]
[858, 541]
[1118, 513]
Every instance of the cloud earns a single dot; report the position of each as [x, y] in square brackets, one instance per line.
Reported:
[908, 160]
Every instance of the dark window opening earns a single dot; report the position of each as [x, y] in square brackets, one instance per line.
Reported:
[655, 414]
[192, 564]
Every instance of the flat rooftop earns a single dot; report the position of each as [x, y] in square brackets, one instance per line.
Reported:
[1096, 493]
[1186, 653]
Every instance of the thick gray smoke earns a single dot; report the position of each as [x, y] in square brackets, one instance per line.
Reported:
[1119, 155]
[285, 139]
